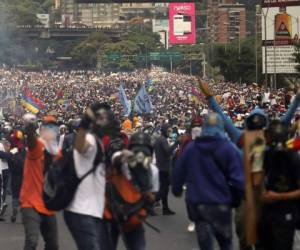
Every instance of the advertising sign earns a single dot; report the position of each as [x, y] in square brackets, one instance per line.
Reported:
[44, 19]
[182, 23]
[280, 32]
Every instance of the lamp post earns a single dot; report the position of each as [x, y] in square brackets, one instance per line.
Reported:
[265, 34]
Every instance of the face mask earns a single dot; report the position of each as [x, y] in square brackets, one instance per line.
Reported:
[196, 132]
[50, 134]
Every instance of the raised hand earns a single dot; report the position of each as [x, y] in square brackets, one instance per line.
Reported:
[204, 87]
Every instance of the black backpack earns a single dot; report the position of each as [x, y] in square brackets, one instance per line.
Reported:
[61, 181]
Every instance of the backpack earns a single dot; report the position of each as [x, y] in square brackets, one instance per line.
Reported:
[124, 202]
[61, 180]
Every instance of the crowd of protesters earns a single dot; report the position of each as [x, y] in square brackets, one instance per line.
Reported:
[124, 166]
[171, 94]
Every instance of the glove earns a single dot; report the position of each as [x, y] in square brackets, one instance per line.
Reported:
[87, 119]
[205, 88]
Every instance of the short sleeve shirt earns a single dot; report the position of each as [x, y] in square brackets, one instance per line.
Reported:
[33, 179]
[90, 195]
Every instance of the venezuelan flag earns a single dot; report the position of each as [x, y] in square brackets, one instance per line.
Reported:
[31, 103]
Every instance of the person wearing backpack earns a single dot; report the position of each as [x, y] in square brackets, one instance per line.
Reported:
[129, 192]
[210, 167]
[84, 215]
[280, 191]
[36, 217]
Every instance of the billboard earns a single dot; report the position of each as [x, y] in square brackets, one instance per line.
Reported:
[182, 23]
[280, 32]
[44, 19]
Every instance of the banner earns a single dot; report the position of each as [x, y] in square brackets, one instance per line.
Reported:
[279, 3]
[182, 23]
[124, 101]
[281, 18]
[142, 102]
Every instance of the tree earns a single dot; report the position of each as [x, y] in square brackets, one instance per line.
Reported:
[86, 53]
[235, 66]
[150, 40]
[126, 50]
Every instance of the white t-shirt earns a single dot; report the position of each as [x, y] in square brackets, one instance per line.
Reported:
[3, 164]
[155, 175]
[90, 196]
[266, 97]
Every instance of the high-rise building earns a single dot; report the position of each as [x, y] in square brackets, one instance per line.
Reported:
[226, 21]
[103, 15]
[99, 15]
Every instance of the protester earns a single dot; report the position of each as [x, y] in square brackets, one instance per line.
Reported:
[191, 134]
[129, 192]
[36, 217]
[84, 216]
[172, 119]
[281, 191]
[4, 176]
[208, 166]
[15, 159]
[163, 154]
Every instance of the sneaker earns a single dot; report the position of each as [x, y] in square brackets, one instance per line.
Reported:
[152, 212]
[13, 218]
[168, 212]
[156, 204]
[2, 212]
[191, 227]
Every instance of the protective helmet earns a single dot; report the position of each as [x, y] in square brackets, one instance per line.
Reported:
[140, 139]
[277, 133]
[256, 122]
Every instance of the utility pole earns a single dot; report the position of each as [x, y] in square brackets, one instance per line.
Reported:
[204, 65]
[266, 57]
[256, 63]
[257, 14]
[274, 55]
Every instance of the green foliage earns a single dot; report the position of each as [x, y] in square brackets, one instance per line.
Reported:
[235, 66]
[86, 52]
[148, 39]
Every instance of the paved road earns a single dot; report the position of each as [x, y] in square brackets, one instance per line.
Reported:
[173, 234]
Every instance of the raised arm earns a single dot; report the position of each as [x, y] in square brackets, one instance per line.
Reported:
[81, 144]
[288, 116]
[233, 132]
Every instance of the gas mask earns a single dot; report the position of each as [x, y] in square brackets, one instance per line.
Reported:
[277, 135]
[140, 169]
